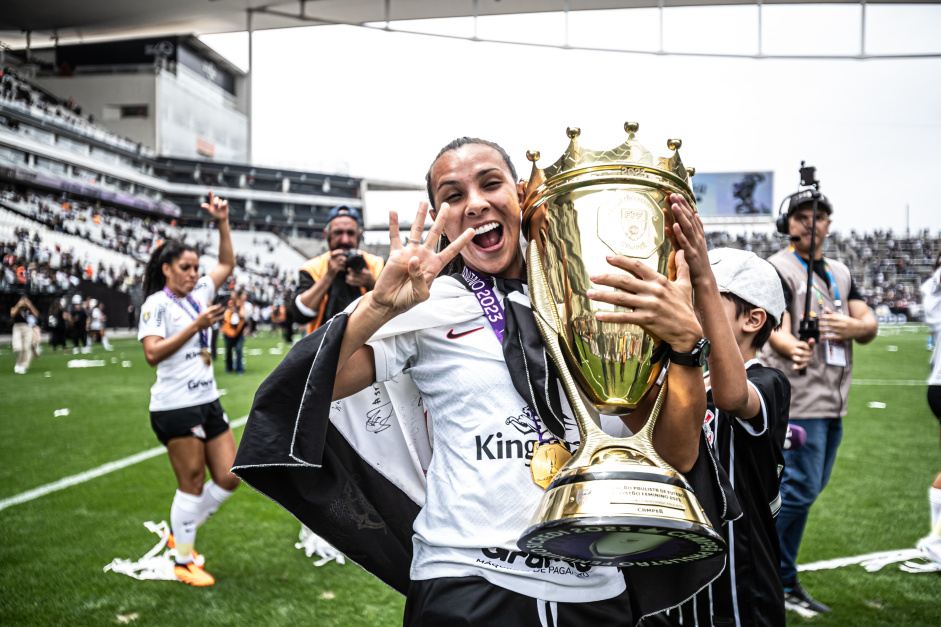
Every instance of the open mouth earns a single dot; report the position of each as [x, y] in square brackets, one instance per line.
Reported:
[489, 236]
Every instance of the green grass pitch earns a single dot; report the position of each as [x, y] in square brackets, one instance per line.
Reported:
[54, 547]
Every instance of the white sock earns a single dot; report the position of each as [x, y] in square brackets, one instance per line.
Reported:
[104, 342]
[934, 497]
[213, 497]
[183, 515]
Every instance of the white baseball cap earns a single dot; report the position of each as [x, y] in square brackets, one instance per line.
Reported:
[749, 277]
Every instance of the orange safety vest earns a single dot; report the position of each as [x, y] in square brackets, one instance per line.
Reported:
[227, 329]
[317, 267]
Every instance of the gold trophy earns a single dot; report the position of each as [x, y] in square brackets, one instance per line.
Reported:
[616, 502]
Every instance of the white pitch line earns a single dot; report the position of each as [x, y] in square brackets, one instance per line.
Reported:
[890, 382]
[82, 477]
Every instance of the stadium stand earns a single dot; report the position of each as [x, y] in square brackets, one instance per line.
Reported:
[82, 206]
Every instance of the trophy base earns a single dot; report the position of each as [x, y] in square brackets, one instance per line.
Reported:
[622, 541]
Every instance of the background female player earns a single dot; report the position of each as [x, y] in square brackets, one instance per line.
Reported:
[184, 404]
[931, 297]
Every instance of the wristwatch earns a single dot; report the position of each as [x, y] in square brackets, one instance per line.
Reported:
[696, 358]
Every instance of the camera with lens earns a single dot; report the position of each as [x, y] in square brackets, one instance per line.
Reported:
[354, 261]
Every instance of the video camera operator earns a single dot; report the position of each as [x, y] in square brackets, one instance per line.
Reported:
[819, 399]
[331, 281]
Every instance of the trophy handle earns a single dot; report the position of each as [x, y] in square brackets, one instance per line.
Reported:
[592, 438]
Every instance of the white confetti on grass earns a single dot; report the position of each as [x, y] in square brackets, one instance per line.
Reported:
[275, 351]
[61, 412]
[893, 349]
[47, 374]
[876, 405]
[85, 363]
[126, 618]
[222, 392]
[125, 364]
[327, 595]
[254, 352]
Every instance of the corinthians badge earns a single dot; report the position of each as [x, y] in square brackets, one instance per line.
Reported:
[616, 501]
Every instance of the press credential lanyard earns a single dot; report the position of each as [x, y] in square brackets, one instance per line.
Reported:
[203, 334]
[835, 349]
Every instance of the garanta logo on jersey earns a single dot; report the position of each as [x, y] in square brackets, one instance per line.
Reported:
[516, 560]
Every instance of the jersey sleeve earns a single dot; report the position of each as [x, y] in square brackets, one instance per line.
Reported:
[774, 393]
[204, 291]
[153, 319]
[393, 354]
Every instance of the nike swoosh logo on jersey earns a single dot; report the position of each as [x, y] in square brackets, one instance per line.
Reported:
[454, 336]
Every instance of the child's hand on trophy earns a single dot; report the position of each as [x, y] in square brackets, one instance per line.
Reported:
[662, 307]
[689, 235]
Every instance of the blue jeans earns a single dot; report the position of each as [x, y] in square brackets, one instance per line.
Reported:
[806, 473]
[234, 345]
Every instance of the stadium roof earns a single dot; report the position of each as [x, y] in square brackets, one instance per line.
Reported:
[89, 20]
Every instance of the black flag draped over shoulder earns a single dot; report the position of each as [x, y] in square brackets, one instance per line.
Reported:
[317, 476]
[292, 453]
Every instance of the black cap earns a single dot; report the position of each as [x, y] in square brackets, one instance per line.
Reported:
[806, 197]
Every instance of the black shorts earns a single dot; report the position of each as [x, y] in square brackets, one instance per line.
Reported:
[202, 421]
[934, 399]
[475, 602]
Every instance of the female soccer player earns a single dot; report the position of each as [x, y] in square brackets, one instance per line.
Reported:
[462, 556]
[185, 413]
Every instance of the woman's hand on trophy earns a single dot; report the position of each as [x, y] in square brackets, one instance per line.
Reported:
[407, 276]
[689, 235]
[663, 308]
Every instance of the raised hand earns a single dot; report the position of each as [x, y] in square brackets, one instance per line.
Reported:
[689, 235]
[662, 307]
[217, 207]
[407, 276]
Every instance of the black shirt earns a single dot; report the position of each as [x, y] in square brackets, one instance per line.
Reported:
[339, 296]
[751, 453]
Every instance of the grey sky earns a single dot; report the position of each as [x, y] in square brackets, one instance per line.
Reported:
[384, 103]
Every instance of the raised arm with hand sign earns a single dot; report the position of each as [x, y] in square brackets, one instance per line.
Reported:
[405, 281]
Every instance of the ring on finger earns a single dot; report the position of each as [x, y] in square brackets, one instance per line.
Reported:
[414, 241]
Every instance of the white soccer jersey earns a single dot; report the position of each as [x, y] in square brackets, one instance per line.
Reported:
[183, 379]
[931, 297]
[480, 496]
[96, 324]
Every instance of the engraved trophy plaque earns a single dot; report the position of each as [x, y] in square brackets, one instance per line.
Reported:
[616, 502]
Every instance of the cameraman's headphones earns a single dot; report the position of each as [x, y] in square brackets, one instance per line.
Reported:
[794, 201]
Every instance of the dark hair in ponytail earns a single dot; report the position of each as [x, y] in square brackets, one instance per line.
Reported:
[168, 252]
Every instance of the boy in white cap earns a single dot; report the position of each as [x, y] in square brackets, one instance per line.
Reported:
[739, 300]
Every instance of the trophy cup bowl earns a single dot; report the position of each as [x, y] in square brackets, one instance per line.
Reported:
[616, 502]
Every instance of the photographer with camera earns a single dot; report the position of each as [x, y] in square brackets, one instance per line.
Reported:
[330, 282]
[21, 313]
[816, 353]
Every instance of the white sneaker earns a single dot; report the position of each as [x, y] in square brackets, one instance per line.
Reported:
[930, 546]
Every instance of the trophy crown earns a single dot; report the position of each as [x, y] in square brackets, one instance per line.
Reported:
[630, 158]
